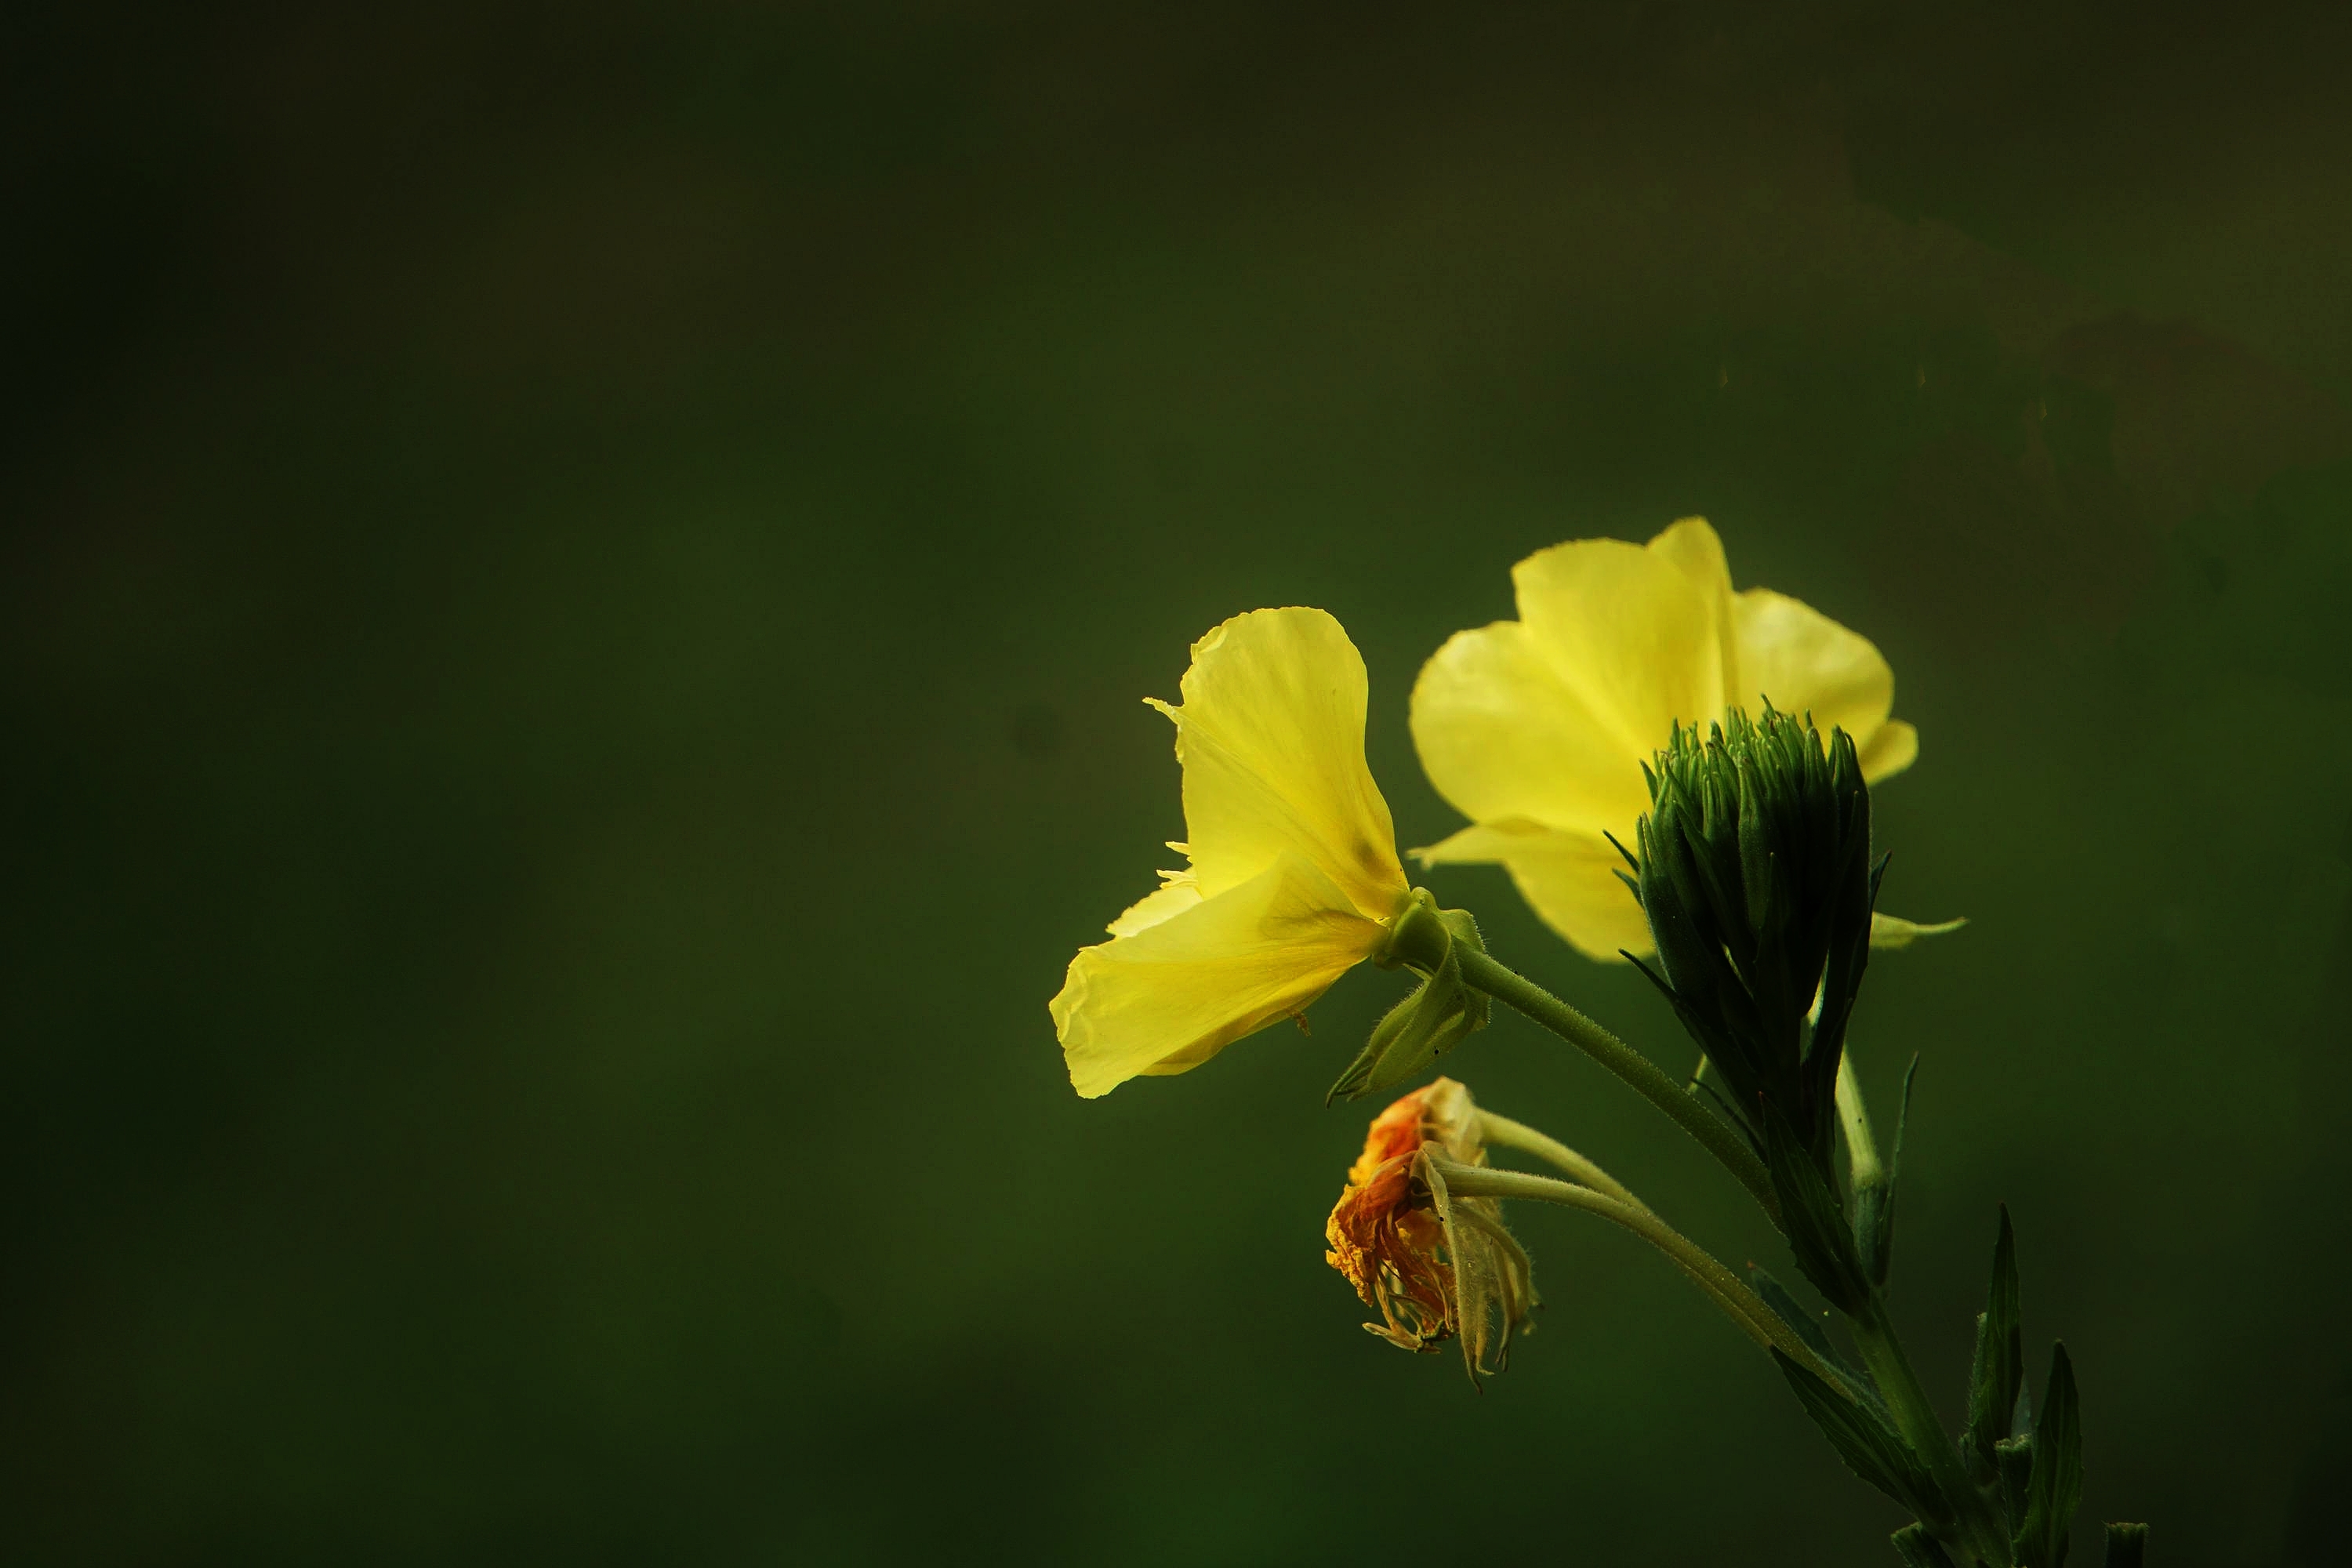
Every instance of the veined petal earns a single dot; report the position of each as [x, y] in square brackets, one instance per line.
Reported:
[1807, 663]
[1178, 991]
[1569, 879]
[1634, 632]
[1502, 735]
[1271, 735]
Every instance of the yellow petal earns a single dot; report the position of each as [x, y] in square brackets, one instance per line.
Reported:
[1692, 545]
[1502, 735]
[1177, 893]
[1178, 991]
[1569, 879]
[1631, 631]
[1807, 663]
[1271, 735]
[1537, 728]
[1892, 750]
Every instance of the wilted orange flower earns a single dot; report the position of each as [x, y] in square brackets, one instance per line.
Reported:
[1433, 1265]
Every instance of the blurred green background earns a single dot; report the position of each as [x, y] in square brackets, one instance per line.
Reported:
[577, 585]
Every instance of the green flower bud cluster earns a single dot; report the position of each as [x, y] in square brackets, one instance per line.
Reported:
[1754, 868]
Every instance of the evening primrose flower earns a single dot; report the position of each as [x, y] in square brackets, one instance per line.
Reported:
[1292, 876]
[1537, 729]
[1435, 1266]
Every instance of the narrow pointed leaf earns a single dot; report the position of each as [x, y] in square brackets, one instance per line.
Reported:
[2000, 1369]
[1807, 1326]
[2057, 1484]
[1816, 1225]
[1875, 1219]
[1869, 1446]
[1793, 1313]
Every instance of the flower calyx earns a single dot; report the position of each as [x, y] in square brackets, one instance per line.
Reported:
[1434, 1017]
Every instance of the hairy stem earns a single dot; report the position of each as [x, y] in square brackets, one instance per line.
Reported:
[1502, 1133]
[1720, 1285]
[1718, 1137]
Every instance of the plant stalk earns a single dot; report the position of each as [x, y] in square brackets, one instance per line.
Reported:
[1720, 1285]
[1861, 1147]
[1502, 1133]
[1639, 1072]
[1915, 1417]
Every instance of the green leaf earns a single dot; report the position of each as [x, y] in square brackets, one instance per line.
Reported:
[1816, 1224]
[1793, 1313]
[1875, 1206]
[2014, 1459]
[1869, 1445]
[2000, 1367]
[2057, 1484]
[1807, 1327]
[1919, 1549]
[2127, 1546]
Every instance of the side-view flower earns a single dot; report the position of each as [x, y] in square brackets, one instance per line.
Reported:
[1292, 876]
[1537, 729]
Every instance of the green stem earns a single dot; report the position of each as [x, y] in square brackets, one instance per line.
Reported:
[1502, 1133]
[1915, 1417]
[1515, 990]
[1861, 1147]
[1720, 1285]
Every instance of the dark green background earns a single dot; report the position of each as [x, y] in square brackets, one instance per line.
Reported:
[576, 589]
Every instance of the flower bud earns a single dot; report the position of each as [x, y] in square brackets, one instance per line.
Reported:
[1434, 1017]
[1755, 876]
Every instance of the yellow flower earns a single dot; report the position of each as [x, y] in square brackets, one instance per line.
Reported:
[1537, 728]
[1433, 1265]
[1293, 876]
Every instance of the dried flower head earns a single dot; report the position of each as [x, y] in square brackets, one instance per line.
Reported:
[1433, 1265]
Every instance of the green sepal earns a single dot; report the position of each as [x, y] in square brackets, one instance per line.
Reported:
[1869, 1445]
[2057, 1483]
[1919, 1549]
[1998, 1370]
[1433, 1018]
[2127, 1546]
[1815, 1223]
[1874, 1205]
